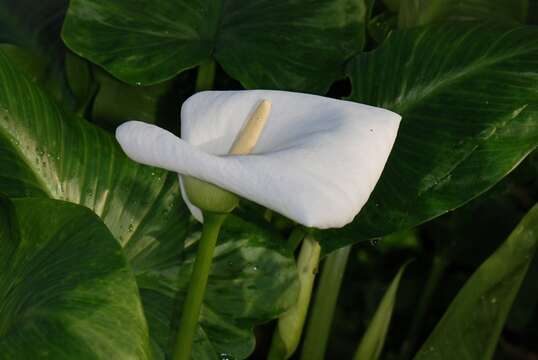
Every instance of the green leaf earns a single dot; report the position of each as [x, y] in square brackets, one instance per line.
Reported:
[373, 340]
[295, 45]
[66, 289]
[472, 324]
[33, 65]
[80, 80]
[251, 280]
[35, 27]
[47, 153]
[422, 12]
[392, 5]
[117, 102]
[380, 26]
[470, 116]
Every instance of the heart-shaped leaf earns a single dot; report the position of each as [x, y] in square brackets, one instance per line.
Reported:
[461, 130]
[46, 153]
[293, 45]
[472, 324]
[66, 289]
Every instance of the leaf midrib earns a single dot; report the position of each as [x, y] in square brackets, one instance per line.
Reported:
[426, 91]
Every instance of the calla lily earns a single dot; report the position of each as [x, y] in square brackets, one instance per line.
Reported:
[316, 162]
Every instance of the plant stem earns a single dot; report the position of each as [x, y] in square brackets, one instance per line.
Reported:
[195, 295]
[206, 75]
[319, 324]
[296, 237]
[439, 265]
[290, 324]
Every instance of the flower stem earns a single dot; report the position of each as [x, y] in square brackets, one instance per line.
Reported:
[195, 295]
[319, 324]
[290, 324]
[206, 75]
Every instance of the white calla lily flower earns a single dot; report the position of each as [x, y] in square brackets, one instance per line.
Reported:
[316, 162]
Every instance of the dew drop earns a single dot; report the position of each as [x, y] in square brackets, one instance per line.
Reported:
[130, 228]
[493, 300]
[374, 242]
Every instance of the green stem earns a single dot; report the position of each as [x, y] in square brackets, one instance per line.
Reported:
[206, 75]
[297, 235]
[195, 295]
[290, 324]
[439, 265]
[319, 324]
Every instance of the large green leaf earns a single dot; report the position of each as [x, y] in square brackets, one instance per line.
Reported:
[421, 12]
[372, 342]
[472, 324]
[66, 289]
[295, 45]
[250, 282]
[46, 153]
[468, 96]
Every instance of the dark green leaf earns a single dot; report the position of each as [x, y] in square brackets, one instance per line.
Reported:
[46, 153]
[35, 26]
[472, 324]
[372, 342]
[295, 45]
[66, 290]
[33, 65]
[470, 115]
[382, 25]
[392, 5]
[251, 280]
[117, 102]
[422, 12]
[80, 80]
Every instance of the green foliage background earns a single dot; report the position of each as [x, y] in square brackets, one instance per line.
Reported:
[461, 176]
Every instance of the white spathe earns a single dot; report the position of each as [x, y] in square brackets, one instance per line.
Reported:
[316, 162]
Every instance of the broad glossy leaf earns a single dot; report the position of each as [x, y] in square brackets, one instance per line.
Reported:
[472, 324]
[66, 289]
[469, 104]
[47, 153]
[289, 45]
[372, 342]
[250, 281]
[422, 12]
